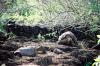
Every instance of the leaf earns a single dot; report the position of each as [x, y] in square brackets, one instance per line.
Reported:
[97, 59]
[98, 36]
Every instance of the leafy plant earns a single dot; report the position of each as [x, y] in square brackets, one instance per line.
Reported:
[41, 38]
[11, 35]
[53, 34]
[51, 13]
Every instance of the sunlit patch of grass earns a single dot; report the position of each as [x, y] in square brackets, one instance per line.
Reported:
[28, 20]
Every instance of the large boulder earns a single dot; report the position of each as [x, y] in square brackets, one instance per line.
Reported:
[22, 30]
[26, 51]
[68, 38]
[26, 31]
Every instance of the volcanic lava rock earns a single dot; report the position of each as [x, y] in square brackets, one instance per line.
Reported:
[5, 55]
[58, 51]
[68, 38]
[26, 51]
[3, 37]
[43, 61]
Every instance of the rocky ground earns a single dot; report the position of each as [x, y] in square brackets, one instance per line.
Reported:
[48, 54]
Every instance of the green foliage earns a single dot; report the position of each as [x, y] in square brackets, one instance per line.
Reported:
[11, 35]
[3, 18]
[1, 27]
[41, 38]
[53, 34]
[53, 12]
[88, 63]
[97, 61]
[95, 5]
[98, 41]
[46, 37]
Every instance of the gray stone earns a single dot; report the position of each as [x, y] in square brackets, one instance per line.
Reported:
[27, 51]
[58, 51]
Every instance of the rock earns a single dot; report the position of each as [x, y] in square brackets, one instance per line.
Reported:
[69, 61]
[42, 50]
[74, 62]
[11, 63]
[67, 48]
[84, 55]
[43, 61]
[68, 39]
[5, 55]
[83, 52]
[10, 47]
[22, 30]
[3, 37]
[26, 31]
[27, 51]
[58, 51]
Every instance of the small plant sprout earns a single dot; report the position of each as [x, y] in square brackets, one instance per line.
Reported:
[98, 36]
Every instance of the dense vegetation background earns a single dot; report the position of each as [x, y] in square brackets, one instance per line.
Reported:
[51, 12]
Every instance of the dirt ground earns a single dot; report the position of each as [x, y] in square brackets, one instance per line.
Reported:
[48, 54]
